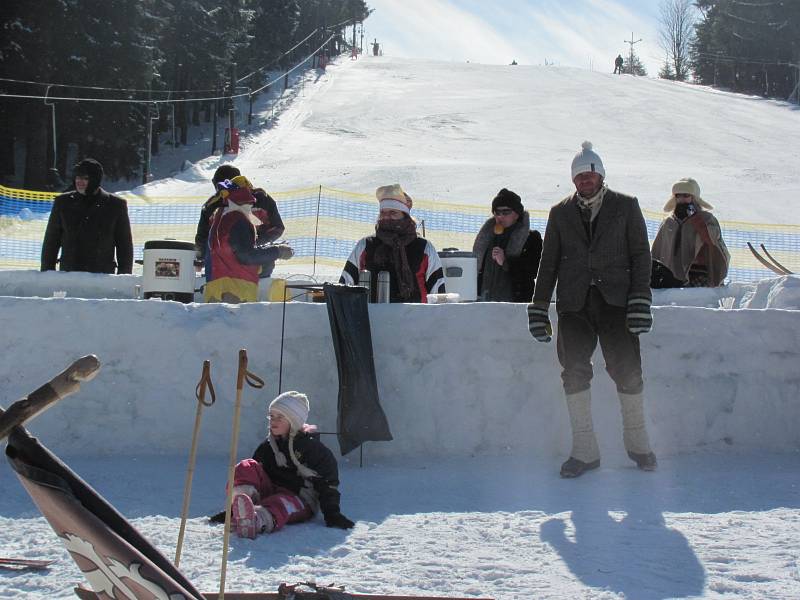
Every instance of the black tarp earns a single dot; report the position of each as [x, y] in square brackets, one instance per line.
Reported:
[360, 416]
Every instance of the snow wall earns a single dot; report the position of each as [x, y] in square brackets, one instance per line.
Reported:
[455, 380]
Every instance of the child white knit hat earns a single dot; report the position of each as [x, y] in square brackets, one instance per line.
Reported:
[294, 406]
[587, 160]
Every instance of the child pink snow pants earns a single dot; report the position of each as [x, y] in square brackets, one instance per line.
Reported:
[284, 506]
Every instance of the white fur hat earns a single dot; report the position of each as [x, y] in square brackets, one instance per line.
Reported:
[587, 160]
[393, 196]
[293, 406]
[687, 185]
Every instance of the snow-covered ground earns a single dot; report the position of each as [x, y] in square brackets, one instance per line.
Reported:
[467, 499]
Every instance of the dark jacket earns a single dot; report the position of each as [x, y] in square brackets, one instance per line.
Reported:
[88, 230]
[423, 260]
[616, 260]
[271, 229]
[514, 281]
[311, 452]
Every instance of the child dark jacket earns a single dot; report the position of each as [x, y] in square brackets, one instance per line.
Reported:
[312, 453]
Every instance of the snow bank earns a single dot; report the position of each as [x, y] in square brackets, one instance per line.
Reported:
[456, 380]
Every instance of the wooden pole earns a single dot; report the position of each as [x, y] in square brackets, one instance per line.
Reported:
[200, 393]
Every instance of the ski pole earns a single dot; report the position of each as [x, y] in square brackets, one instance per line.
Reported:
[200, 394]
[253, 381]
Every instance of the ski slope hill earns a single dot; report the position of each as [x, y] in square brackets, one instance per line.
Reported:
[455, 132]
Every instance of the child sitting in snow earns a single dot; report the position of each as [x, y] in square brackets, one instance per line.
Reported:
[291, 475]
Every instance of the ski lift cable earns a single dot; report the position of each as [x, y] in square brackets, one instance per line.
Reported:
[111, 89]
[142, 101]
[260, 69]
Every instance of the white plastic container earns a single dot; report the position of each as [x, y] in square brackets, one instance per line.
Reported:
[168, 270]
[460, 273]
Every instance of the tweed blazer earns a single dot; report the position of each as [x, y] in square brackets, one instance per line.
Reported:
[616, 260]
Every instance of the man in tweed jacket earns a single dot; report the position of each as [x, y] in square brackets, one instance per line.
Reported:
[596, 251]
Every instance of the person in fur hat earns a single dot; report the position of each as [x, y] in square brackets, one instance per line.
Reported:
[235, 259]
[414, 267]
[89, 226]
[596, 248]
[291, 476]
[268, 230]
[689, 250]
[507, 251]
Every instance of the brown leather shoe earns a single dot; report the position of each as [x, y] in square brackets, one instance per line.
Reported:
[646, 462]
[575, 468]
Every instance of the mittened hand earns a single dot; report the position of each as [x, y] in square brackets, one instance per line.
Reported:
[338, 520]
[640, 317]
[539, 322]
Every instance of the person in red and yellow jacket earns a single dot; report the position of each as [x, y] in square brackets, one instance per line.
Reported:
[234, 261]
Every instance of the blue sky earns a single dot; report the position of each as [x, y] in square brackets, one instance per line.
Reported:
[577, 33]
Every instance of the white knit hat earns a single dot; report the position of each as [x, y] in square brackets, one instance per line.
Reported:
[587, 160]
[393, 196]
[687, 185]
[293, 406]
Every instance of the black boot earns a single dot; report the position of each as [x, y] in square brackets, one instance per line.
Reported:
[575, 468]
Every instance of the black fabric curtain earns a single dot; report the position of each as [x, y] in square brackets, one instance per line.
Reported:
[360, 417]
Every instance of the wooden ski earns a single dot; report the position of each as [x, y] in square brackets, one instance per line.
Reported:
[774, 268]
[290, 592]
[24, 564]
[777, 264]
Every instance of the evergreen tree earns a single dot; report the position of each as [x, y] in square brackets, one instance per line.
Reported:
[748, 46]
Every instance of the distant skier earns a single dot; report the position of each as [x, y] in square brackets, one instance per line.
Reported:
[618, 63]
[689, 250]
[596, 249]
[291, 476]
[376, 48]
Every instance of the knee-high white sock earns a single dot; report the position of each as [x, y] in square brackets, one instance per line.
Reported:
[634, 430]
[584, 443]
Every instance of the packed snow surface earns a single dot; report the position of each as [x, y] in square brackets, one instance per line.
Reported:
[466, 501]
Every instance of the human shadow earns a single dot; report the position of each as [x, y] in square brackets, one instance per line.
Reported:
[632, 552]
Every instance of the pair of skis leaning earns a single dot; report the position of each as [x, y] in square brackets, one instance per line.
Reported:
[769, 261]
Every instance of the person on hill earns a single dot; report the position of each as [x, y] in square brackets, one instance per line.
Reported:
[618, 64]
[507, 251]
[270, 229]
[689, 250]
[596, 248]
[414, 267]
[291, 476]
[234, 258]
[89, 226]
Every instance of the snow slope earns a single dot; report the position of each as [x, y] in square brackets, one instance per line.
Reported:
[459, 132]
[467, 500]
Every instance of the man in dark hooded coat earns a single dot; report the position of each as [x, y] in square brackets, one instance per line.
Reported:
[89, 226]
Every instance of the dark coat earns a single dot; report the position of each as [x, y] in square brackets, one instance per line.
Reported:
[523, 248]
[616, 259]
[315, 455]
[88, 230]
[271, 229]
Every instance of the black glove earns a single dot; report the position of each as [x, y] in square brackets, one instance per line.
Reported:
[338, 520]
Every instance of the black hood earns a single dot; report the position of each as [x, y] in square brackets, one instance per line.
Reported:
[91, 169]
